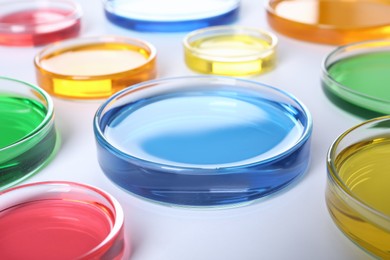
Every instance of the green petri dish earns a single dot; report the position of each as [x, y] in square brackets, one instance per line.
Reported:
[28, 138]
[359, 73]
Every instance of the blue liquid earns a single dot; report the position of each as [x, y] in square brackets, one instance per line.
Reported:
[171, 26]
[203, 148]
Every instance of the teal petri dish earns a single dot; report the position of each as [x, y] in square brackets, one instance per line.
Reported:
[28, 138]
[358, 73]
[203, 141]
[170, 15]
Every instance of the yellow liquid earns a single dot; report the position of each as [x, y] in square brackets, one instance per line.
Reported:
[364, 168]
[95, 70]
[233, 55]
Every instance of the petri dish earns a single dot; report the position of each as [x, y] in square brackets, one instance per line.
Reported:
[77, 68]
[28, 138]
[61, 220]
[359, 74]
[170, 15]
[358, 188]
[325, 21]
[38, 22]
[230, 51]
[231, 142]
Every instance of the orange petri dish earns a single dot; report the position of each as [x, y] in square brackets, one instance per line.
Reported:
[330, 21]
[94, 68]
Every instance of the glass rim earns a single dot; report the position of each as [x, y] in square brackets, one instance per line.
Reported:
[305, 134]
[231, 30]
[117, 208]
[271, 10]
[75, 14]
[45, 122]
[325, 65]
[77, 42]
[333, 174]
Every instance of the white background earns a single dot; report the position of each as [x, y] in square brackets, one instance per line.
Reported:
[294, 224]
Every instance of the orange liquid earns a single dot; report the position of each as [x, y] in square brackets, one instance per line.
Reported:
[331, 21]
[94, 71]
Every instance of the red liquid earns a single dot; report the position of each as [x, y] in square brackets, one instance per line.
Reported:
[38, 27]
[52, 229]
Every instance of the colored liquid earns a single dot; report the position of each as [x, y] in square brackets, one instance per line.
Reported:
[19, 117]
[82, 72]
[210, 131]
[364, 169]
[367, 74]
[171, 15]
[230, 55]
[52, 229]
[326, 21]
[42, 25]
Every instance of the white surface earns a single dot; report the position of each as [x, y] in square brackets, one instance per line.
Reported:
[294, 224]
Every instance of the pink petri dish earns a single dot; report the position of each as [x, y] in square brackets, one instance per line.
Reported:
[38, 22]
[62, 221]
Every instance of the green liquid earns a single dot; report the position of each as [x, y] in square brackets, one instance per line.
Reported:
[19, 117]
[368, 74]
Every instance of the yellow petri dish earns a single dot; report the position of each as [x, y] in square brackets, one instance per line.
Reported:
[330, 21]
[358, 187]
[94, 68]
[230, 51]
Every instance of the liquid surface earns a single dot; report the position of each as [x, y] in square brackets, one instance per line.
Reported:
[93, 62]
[52, 229]
[208, 130]
[366, 73]
[365, 170]
[172, 10]
[361, 13]
[18, 118]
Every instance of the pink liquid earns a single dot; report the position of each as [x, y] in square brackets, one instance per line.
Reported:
[52, 229]
[38, 27]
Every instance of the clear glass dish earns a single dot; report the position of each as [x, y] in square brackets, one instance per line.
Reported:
[330, 21]
[359, 74]
[358, 189]
[77, 68]
[203, 141]
[28, 138]
[38, 22]
[61, 220]
[170, 15]
[230, 50]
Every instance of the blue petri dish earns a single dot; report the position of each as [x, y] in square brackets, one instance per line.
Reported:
[203, 140]
[170, 15]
